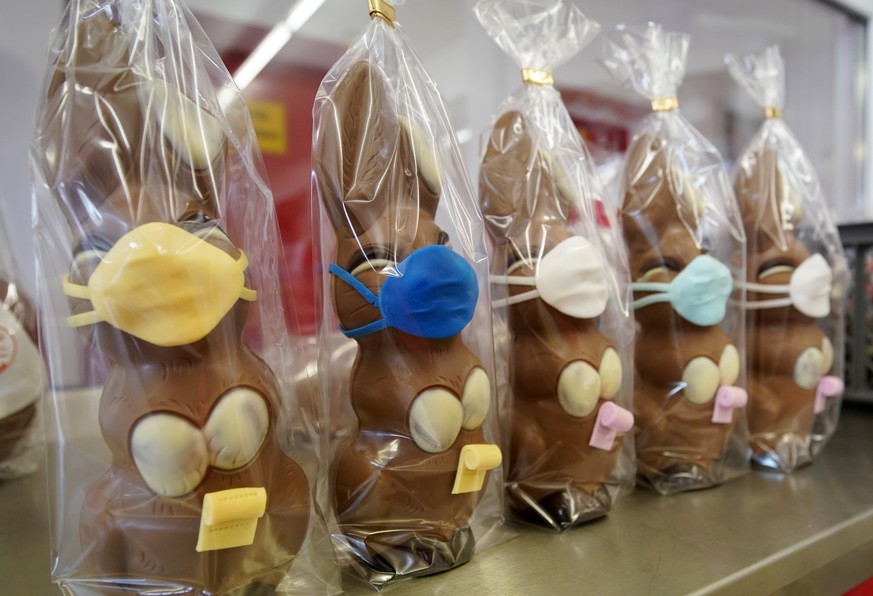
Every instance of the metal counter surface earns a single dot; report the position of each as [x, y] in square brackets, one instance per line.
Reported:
[811, 532]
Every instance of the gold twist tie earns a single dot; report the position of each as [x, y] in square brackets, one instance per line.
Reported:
[383, 9]
[773, 112]
[535, 76]
[665, 104]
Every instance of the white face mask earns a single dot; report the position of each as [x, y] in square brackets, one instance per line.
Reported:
[570, 278]
[809, 289]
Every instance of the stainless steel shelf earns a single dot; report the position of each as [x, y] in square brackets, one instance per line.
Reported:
[811, 532]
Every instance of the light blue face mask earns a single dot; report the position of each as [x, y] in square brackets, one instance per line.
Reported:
[699, 294]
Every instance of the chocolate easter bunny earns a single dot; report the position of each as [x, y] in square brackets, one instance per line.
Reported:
[419, 394]
[199, 495]
[683, 360]
[788, 353]
[564, 373]
[685, 246]
[793, 267]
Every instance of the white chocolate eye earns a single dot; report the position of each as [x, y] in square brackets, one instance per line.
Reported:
[701, 378]
[578, 388]
[610, 373]
[236, 428]
[827, 351]
[170, 453]
[476, 399]
[808, 368]
[435, 420]
[729, 365]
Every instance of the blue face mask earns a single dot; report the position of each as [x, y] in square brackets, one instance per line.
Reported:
[699, 293]
[434, 295]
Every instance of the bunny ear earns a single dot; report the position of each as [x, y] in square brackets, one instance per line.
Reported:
[356, 145]
[645, 172]
[92, 121]
[502, 176]
[768, 201]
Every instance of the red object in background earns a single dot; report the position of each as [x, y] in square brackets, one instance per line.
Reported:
[606, 124]
[865, 589]
[286, 94]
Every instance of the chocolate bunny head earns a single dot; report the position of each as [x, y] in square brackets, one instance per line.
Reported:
[660, 215]
[137, 167]
[529, 213]
[528, 202]
[771, 212]
[380, 187]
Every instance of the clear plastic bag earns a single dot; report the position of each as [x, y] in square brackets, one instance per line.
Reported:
[560, 284]
[686, 245]
[796, 285]
[171, 395]
[416, 483]
[21, 371]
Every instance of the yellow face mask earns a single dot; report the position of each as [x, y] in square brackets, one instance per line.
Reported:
[163, 285]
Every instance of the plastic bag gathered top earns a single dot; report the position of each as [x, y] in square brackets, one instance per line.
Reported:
[795, 285]
[21, 371]
[560, 284]
[686, 246]
[415, 479]
[152, 180]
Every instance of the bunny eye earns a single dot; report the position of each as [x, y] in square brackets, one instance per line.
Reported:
[659, 266]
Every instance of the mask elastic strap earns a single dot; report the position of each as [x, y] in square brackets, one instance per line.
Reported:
[650, 286]
[651, 299]
[353, 281]
[763, 288]
[775, 303]
[82, 319]
[367, 294]
[75, 290]
[84, 293]
[514, 280]
[523, 297]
